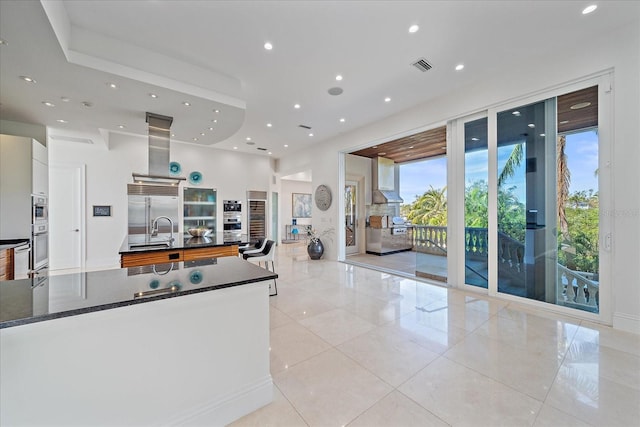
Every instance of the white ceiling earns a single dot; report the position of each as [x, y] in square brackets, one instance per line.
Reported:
[211, 54]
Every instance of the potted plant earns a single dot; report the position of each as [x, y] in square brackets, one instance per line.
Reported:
[315, 248]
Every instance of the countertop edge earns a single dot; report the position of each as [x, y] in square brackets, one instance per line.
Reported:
[85, 310]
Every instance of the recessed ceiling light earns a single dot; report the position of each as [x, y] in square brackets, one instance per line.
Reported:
[214, 121]
[382, 154]
[475, 139]
[310, 134]
[564, 122]
[270, 152]
[210, 128]
[589, 9]
[269, 125]
[62, 121]
[112, 85]
[516, 113]
[3, 42]
[286, 145]
[580, 105]
[407, 155]
[235, 148]
[216, 111]
[248, 138]
[173, 135]
[268, 46]
[121, 126]
[542, 134]
[296, 106]
[410, 147]
[414, 28]
[375, 146]
[28, 79]
[65, 99]
[49, 104]
[201, 133]
[195, 139]
[186, 103]
[342, 120]
[339, 77]
[153, 95]
[387, 99]
[531, 125]
[459, 67]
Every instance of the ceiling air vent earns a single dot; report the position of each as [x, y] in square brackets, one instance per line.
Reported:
[422, 65]
[305, 127]
[71, 139]
[262, 149]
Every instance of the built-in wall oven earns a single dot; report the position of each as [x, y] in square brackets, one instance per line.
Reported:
[39, 234]
[232, 220]
[39, 209]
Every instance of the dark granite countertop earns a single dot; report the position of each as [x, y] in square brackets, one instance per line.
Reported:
[73, 294]
[12, 243]
[181, 242]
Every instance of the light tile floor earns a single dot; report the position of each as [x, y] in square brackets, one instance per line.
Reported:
[352, 346]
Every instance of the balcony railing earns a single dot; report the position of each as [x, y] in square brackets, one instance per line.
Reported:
[575, 289]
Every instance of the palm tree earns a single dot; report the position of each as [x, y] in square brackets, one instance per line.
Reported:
[563, 177]
[564, 180]
[430, 208]
[514, 160]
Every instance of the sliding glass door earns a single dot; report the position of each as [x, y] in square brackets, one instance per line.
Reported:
[535, 189]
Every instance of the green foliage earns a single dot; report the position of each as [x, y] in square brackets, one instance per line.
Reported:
[511, 212]
[581, 250]
[428, 209]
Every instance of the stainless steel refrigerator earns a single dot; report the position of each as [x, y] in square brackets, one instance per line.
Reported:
[148, 202]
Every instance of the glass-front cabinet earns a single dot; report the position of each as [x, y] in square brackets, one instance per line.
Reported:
[199, 208]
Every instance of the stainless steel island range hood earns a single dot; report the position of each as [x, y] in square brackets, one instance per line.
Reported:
[159, 133]
[385, 180]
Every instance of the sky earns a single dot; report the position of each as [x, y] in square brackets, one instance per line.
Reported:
[582, 157]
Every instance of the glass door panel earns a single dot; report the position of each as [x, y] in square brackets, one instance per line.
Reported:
[350, 217]
[476, 203]
[548, 216]
[527, 245]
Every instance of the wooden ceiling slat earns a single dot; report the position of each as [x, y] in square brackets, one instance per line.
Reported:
[432, 142]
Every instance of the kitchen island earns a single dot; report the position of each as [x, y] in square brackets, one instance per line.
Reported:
[144, 249]
[181, 343]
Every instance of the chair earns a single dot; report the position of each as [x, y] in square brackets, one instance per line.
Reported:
[259, 246]
[266, 254]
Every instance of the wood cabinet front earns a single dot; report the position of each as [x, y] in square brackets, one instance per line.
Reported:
[148, 258]
[6, 264]
[210, 252]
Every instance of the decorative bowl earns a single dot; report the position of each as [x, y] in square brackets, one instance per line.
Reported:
[199, 232]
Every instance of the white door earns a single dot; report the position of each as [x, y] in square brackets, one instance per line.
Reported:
[66, 216]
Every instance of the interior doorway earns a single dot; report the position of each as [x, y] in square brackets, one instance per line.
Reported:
[66, 217]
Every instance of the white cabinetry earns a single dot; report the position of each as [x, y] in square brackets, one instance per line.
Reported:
[23, 171]
[40, 169]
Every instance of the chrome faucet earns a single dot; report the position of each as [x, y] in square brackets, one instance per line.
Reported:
[154, 227]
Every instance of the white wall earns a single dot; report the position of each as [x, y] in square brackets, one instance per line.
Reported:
[619, 51]
[109, 171]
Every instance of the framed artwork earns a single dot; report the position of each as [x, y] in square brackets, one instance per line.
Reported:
[301, 205]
